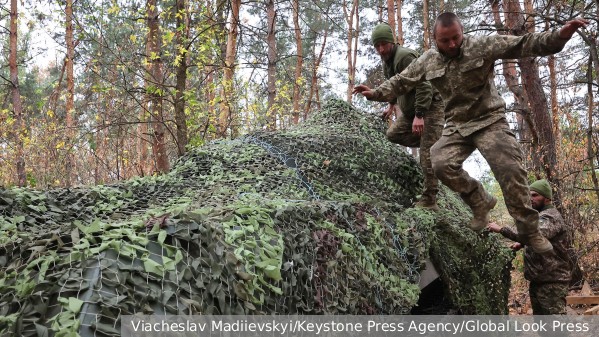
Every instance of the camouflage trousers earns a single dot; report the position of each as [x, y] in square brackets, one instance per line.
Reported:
[548, 298]
[498, 145]
[400, 132]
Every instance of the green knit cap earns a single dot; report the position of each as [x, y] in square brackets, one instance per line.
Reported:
[382, 32]
[542, 187]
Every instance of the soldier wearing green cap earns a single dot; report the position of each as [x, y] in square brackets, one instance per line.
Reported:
[421, 120]
[549, 274]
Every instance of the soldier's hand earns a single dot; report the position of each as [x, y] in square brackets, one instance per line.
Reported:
[493, 227]
[571, 26]
[516, 246]
[418, 125]
[388, 112]
[363, 90]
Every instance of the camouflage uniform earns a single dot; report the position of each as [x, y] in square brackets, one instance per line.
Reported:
[549, 274]
[475, 116]
[425, 100]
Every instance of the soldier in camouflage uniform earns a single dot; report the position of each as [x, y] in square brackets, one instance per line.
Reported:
[421, 120]
[461, 69]
[549, 274]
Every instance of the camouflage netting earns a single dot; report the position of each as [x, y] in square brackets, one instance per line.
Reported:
[313, 220]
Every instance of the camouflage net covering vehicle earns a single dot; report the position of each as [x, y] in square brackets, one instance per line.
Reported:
[312, 220]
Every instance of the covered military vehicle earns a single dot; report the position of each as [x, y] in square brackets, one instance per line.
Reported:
[313, 220]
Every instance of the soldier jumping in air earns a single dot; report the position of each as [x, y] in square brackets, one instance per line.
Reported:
[461, 69]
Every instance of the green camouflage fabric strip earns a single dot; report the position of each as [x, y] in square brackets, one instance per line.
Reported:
[421, 97]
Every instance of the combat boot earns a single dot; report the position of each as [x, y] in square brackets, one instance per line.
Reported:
[537, 242]
[428, 201]
[480, 212]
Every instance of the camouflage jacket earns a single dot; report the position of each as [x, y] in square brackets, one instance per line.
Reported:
[421, 96]
[553, 267]
[466, 82]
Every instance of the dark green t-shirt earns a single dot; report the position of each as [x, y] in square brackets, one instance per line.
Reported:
[421, 96]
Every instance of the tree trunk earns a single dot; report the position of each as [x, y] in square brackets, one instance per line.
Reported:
[142, 142]
[226, 114]
[210, 71]
[299, 63]
[100, 149]
[542, 121]
[590, 41]
[353, 23]
[425, 24]
[356, 34]
[555, 113]
[271, 70]
[511, 77]
[530, 19]
[314, 81]
[536, 98]
[19, 130]
[155, 89]
[391, 16]
[70, 101]
[590, 152]
[181, 82]
[400, 39]
[210, 89]
[557, 134]
[318, 104]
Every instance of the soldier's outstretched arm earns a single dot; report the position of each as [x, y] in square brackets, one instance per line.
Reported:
[363, 90]
[571, 26]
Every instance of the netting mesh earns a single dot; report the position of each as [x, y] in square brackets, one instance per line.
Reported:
[312, 220]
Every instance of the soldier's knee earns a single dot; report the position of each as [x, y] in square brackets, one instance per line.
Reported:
[396, 138]
[437, 161]
[439, 166]
[444, 168]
